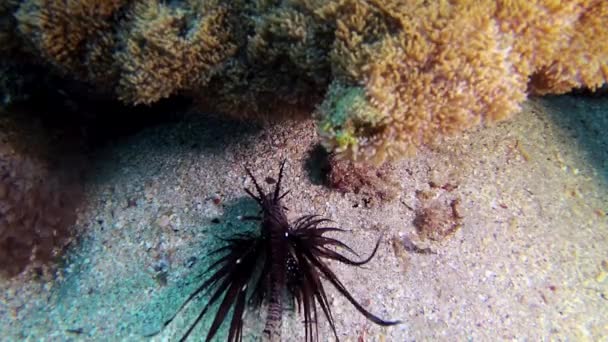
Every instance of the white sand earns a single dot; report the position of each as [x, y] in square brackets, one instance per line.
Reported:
[530, 261]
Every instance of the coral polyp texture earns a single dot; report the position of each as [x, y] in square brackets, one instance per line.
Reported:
[381, 77]
[448, 66]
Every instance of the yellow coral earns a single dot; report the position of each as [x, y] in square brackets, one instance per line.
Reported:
[452, 65]
[582, 58]
[142, 51]
[282, 70]
[64, 31]
[395, 74]
[169, 49]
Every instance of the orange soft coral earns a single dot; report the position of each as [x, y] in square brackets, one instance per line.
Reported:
[170, 49]
[395, 74]
[447, 66]
[74, 36]
[582, 57]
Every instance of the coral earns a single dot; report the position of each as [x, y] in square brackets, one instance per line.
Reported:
[169, 49]
[282, 69]
[386, 75]
[582, 57]
[452, 65]
[139, 52]
[74, 36]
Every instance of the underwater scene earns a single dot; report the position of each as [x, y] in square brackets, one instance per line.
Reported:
[303, 170]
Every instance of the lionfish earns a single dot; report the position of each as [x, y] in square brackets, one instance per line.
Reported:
[284, 261]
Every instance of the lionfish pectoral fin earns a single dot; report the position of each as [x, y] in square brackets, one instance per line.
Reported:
[359, 307]
[232, 297]
[309, 291]
[333, 279]
[236, 324]
[256, 198]
[257, 187]
[361, 263]
[284, 194]
[277, 188]
[339, 257]
[207, 284]
[228, 283]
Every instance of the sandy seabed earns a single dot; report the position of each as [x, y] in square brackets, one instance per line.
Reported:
[528, 262]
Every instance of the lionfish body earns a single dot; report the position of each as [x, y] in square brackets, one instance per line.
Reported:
[275, 230]
[284, 259]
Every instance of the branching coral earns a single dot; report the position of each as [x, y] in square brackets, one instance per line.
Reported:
[393, 74]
